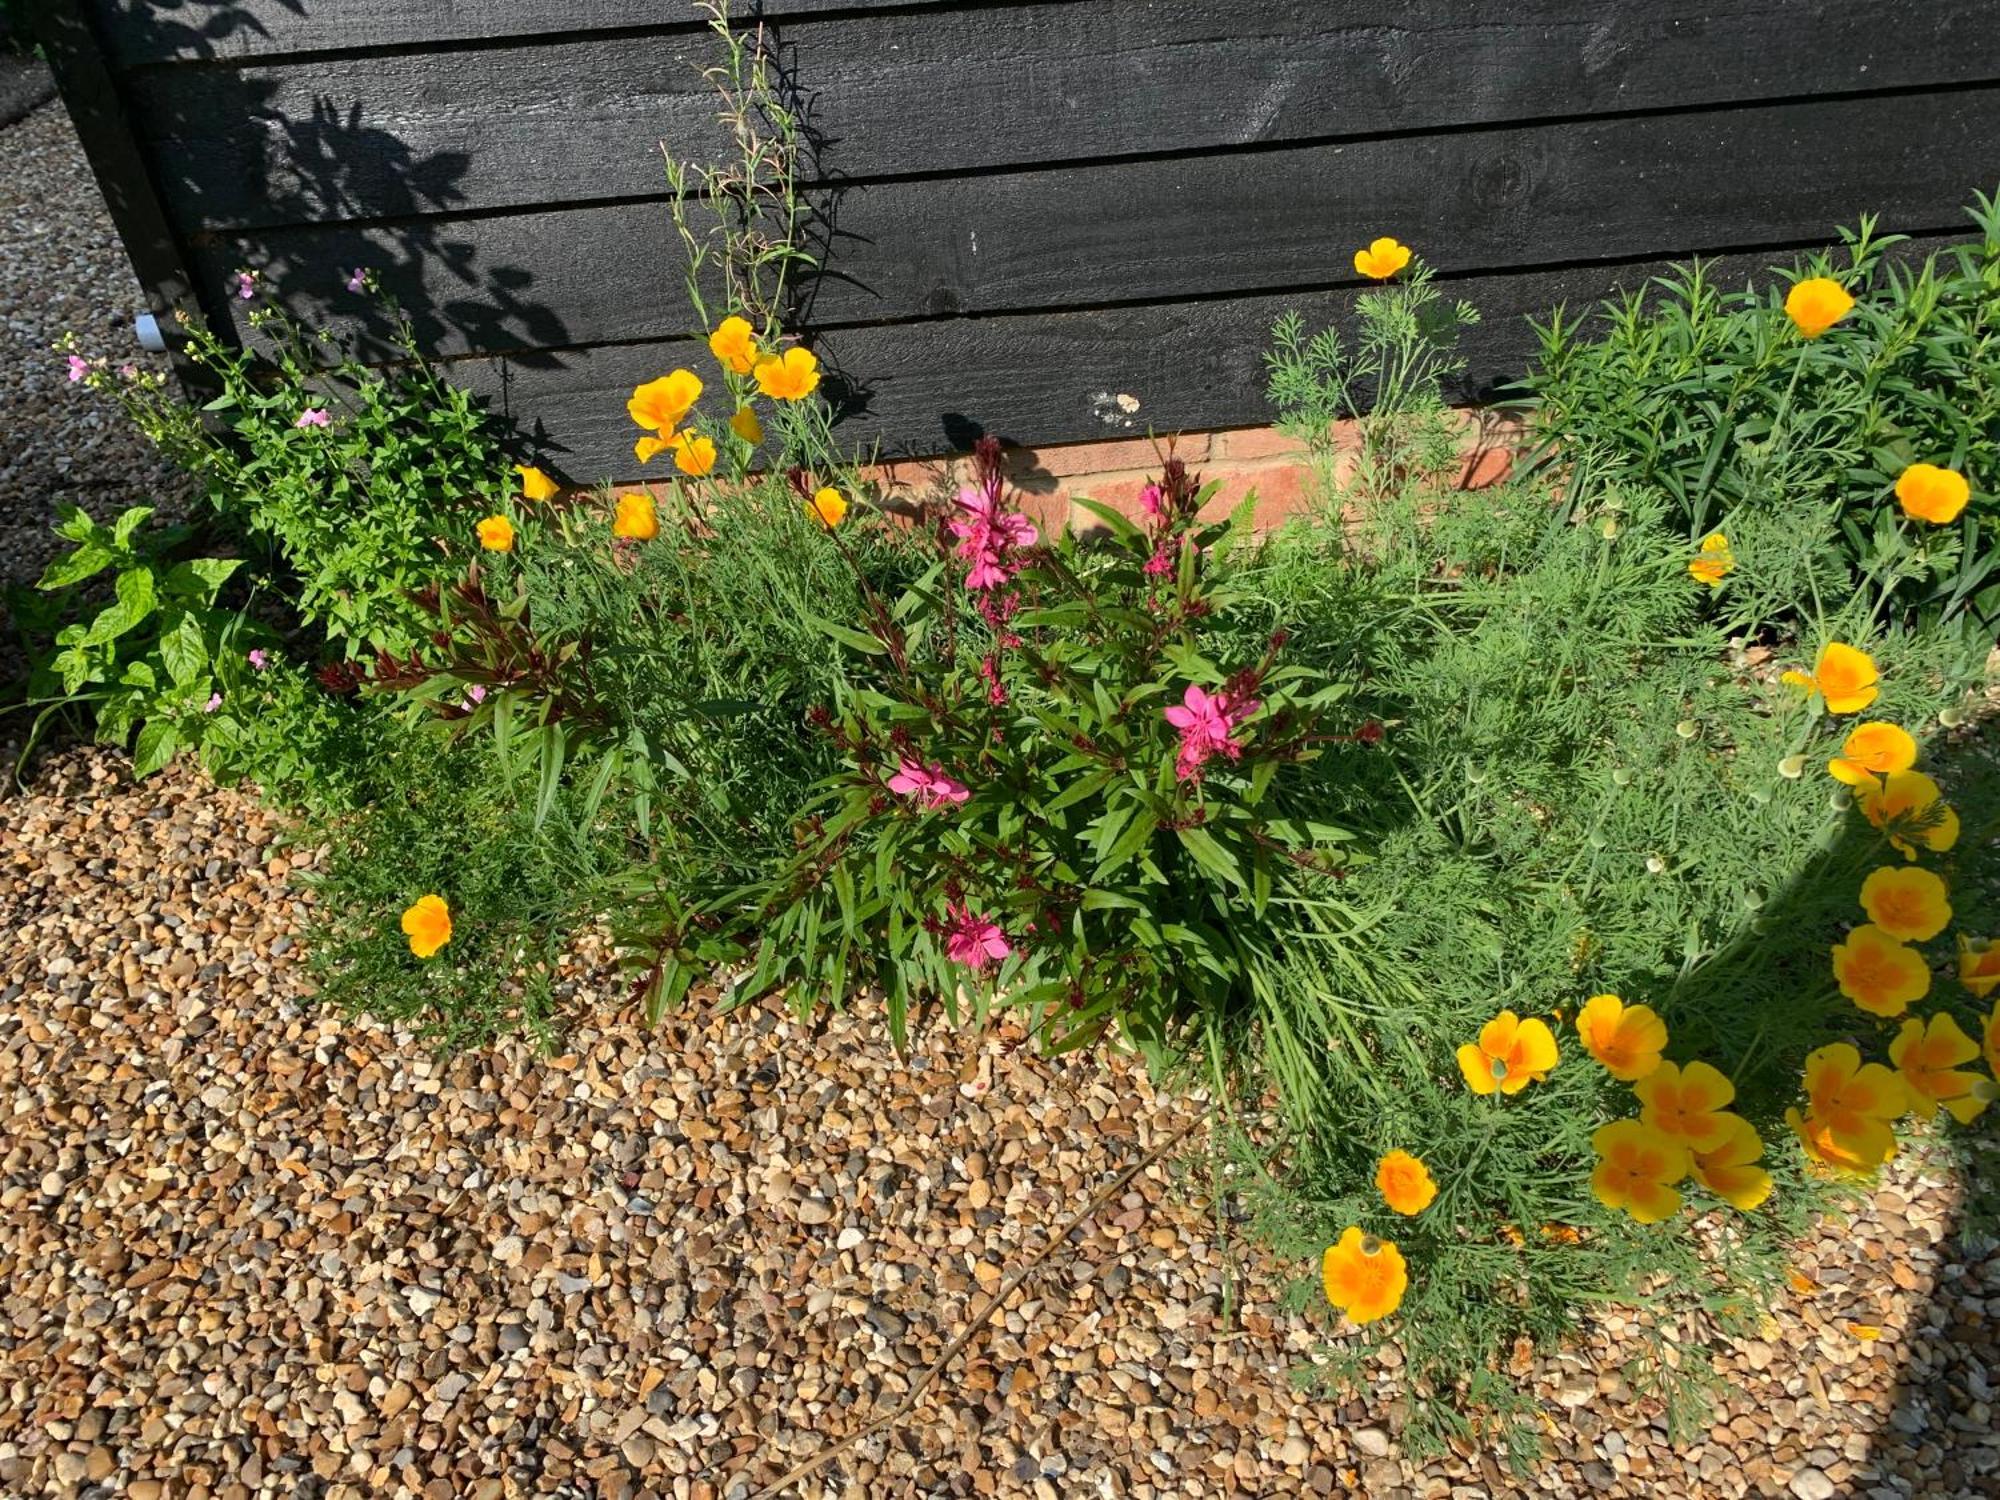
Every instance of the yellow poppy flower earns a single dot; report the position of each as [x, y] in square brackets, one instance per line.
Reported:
[1509, 1055]
[792, 376]
[1686, 1104]
[1879, 974]
[1363, 1276]
[427, 924]
[1979, 968]
[1637, 1167]
[694, 454]
[637, 518]
[1927, 1056]
[1627, 1040]
[827, 506]
[660, 405]
[496, 534]
[1993, 1042]
[1845, 676]
[535, 485]
[746, 426]
[1816, 304]
[1909, 808]
[1730, 1171]
[1405, 1183]
[1873, 750]
[1382, 259]
[1715, 562]
[1849, 1107]
[734, 344]
[649, 448]
[1929, 493]
[1909, 904]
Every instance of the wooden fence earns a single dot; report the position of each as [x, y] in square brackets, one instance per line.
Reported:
[1025, 210]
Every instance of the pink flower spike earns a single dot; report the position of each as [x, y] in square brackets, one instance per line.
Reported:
[314, 416]
[1151, 502]
[928, 784]
[1206, 722]
[971, 939]
[259, 660]
[78, 368]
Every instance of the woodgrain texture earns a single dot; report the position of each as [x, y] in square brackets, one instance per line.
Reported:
[960, 90]
[1163, 230]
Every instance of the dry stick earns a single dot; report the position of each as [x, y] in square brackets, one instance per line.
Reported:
[907, 1404]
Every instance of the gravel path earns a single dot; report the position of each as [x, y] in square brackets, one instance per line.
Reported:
[250, 1251]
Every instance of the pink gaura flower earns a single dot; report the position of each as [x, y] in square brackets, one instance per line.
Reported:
[259, 659]
[1160, 563]
[358, 282]
[477, 692]
[214, 702]
[986, 534]
[1206, 720]
[928, 784]
[78, 368]
[314, 416]
[246, 284]
[971, 940]
[1152, 502]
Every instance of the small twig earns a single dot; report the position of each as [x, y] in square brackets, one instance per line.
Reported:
[937, 1367]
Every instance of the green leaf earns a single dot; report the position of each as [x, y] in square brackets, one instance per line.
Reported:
[89, 559]
[73, 524]
[859, 640]
[184, 651]
[1210, 855]
[200, 577]
[128, 522]
[156, 746]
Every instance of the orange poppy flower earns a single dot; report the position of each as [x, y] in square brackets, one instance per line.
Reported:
[1381, 259]
[1363, 1276]
[637, 518]
[1908, 903]
[496, 534]
[1872, 751]
[1509, 1055]
[1637, 1167]
[427, 924]
[792, 376]
[1911, 810]
[1927, 1056]
[1846, 677]
[828, 506]
[1979, 967]
[694, 454]
[1686, 1103]
[1729, 1170]
[746, 426]
[1879, 974]
[535, 485]
[1849, 1107]
[1627, 1040]
[1405, 1183]
[1929, 493]
[1715, 562]
[1816, 304]
[734, 344]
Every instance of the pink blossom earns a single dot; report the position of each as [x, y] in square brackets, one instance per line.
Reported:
[1160, 563]
[214, 702]
[259, 659]
[1151, 502]
[1206, 720]
[986, 533]
[928, 784]
[128, 372]
[246, 284]
[971, 940]
[314, 416]
[996, 690]
[359, 280]
[78, 368]
[477, 692]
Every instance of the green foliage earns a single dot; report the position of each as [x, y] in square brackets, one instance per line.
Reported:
[1008, 774]
[1712, 398]
[158, 658]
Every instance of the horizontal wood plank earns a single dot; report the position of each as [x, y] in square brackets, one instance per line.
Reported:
[139, 33]
[959, 90]
[1160, 230]
[1037, 378]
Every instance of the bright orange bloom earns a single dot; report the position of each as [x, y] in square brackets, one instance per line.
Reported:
[1510, 1054]
[650, 447]
[1908, 903]
[427, 924]
[1993, 1043]
[660, 405]
[1928, 1056]
[828, 506]
[1715, 562]
[1849, 1106]
[1871, 751]
[792, 376]
[1363, 1276]
[496, 534]
[535, 485]
[1911, 810]
[1405, 1183]
[734, 344]
[1979, 967]
[637, 518]
[1816, 304]
[1879, 974]
[1637, 1167]
[746, 426]
[1845, 676]
[1686, 1103]
[694, 454]
[1628, 1040]
[1382, 259]
[1730, 1171]
[1929, 493]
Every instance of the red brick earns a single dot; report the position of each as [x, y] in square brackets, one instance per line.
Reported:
[1240, 444]
[1064, 460]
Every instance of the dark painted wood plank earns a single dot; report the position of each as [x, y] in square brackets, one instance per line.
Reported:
[1037, 378]
[141, 32]
[1158, 230]
[962, 90]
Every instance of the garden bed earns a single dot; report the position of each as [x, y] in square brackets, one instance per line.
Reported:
[244, 1243]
